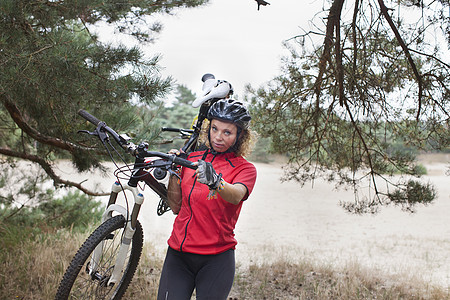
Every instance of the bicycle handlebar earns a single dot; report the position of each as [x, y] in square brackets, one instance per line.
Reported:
[181, 130]
[133, 149]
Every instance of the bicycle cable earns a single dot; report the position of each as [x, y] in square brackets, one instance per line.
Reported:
[116, 174]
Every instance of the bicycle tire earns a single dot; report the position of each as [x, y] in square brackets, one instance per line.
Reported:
[81, 285]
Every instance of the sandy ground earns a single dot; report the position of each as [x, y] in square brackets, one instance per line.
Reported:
[284, 220]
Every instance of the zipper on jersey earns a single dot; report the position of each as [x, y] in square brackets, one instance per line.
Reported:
[189, 203]
[190, 217]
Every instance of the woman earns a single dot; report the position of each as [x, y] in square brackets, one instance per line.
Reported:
[208, 202]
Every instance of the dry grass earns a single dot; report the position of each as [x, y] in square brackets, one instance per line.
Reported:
[146, 279]
[33, 271]
[283, 280]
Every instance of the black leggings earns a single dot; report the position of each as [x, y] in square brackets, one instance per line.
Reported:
[211, 275]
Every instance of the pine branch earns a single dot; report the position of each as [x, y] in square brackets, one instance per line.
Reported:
[49, 170]
[431, 56]
[339, 68]
[355, 48]
[385, 13]
[332, 25]
[18, 118]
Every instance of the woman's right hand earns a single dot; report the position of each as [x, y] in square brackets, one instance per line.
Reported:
[177, 152]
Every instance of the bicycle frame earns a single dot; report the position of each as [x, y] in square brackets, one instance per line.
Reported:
[138, 175]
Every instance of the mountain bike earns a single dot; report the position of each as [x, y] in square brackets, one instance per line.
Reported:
[106, 262]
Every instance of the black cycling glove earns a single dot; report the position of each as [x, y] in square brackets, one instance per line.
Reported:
[207, 175]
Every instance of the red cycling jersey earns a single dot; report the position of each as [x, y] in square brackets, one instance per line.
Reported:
[206, 225]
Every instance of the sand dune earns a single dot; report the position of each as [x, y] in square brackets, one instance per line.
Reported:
[283, 220]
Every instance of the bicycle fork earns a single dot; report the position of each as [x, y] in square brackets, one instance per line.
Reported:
[127, 236]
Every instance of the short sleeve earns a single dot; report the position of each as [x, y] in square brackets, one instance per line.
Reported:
[246, 175]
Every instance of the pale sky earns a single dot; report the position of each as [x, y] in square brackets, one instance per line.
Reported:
[230, 39]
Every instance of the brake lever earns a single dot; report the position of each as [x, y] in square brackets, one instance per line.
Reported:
[166, 164]
[159, 163]
[163, 164]
[87, 132]
[102, 135]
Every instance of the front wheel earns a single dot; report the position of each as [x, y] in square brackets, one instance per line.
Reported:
[77, 283]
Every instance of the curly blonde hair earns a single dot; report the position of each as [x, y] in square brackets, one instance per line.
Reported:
[244, 146]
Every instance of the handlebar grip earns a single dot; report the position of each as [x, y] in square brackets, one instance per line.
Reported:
[185, 163]
[170, 129]
[89, 117]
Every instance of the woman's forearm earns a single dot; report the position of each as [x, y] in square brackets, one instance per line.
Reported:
[232, 193]
[174, 194]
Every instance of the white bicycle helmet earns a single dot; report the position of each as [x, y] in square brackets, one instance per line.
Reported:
[213, 89]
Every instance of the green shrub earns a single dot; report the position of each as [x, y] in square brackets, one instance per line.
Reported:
[261, 151]
[74, 210]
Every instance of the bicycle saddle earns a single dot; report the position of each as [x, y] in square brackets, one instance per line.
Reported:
[212, 88]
